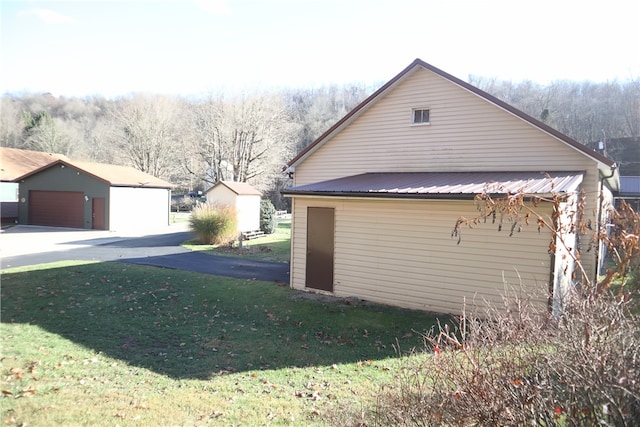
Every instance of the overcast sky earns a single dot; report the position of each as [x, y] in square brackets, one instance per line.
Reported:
[190, 47]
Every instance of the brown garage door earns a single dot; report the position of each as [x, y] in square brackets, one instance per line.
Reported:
[56, 208]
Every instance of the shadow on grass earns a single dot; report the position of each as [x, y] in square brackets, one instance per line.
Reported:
[194, 326]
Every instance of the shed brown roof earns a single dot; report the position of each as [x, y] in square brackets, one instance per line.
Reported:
[240, 188]
[492, 99]
[114, 175]
[431, 185]
[15, 162]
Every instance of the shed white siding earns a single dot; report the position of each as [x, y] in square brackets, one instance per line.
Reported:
[247, 206]
[401, 252]
[138, 208]
[8, 191]
[8, 200]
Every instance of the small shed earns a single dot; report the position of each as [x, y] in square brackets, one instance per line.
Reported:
[93, 196]
[14, 163]
[243, 197]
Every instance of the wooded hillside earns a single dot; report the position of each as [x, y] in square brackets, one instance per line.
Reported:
[196, 142]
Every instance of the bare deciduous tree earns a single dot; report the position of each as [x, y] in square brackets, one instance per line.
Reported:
[53, 135]
[244, 139]
[316, 110]
[11, 123]
[190, 142]
[586, 111]
[145, 132]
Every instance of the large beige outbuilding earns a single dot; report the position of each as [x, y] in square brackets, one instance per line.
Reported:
[375, 198]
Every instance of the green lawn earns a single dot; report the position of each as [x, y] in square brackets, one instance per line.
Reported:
[179, 217]
[117, 344]
[274, 247]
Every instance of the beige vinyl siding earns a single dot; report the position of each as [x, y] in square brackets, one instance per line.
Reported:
[247, 206]
[466, 133]
[402, 253]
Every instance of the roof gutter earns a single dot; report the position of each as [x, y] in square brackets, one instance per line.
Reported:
[289, 171]
[603, 178]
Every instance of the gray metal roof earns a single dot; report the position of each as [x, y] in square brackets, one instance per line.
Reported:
[442, 184]
[630, 185]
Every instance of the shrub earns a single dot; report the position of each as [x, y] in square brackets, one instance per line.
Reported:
[214, 224]
[623, 243]
[522, 367]
[267, 217]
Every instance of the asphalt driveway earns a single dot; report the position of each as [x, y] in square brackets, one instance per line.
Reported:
[31, 245]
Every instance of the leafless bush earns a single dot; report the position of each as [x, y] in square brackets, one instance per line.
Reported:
[623, 243]
[621, 236]
[522, 367]
[597, 363]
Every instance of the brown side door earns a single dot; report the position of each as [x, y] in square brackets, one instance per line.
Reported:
[56, 208]
[320, 240]
[97, 213]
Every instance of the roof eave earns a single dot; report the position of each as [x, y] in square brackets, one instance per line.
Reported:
[124, 185]
[57, 163]
[104, 180]
[236, 191]
[612, 179]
